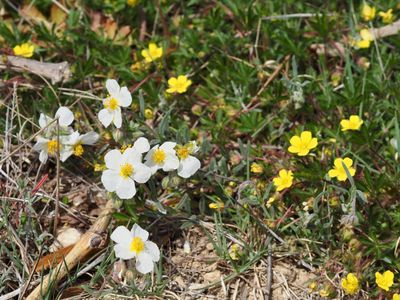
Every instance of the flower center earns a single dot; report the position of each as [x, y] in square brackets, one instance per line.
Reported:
[78, 150]
[126, 170]
[52, 146]
[111, 103]
[137, 245]
[158, 156]
[182, 152]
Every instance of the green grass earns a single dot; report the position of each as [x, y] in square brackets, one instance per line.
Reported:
[229, 50]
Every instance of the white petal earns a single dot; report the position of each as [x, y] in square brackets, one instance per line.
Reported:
[168, 146]
[112, 87]
[171, 162]
[44, 120]
[188, 166]
[105, 117]
[125, 97]
[65, 115]
[113, 159]
[110, 180]
[132, 156]
[152, 249]
[121, 235]
[43, 156]
[142, 173]
[73, 138]
[140, 232]
[126, 188]
[90, 138]
[123, 251]
[149, 154]
[66, 153]
[117, 118]
[144, 263]
[40, 143]
[142, 145]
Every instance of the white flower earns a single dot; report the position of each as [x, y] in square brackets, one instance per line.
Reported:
[162, 157]
[50, 147]
[188, 164]
[134, 244]
[65, 118]
[118, 97]
[75, 141]
[123, 170]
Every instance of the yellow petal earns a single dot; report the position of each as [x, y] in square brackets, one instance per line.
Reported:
[306, 136]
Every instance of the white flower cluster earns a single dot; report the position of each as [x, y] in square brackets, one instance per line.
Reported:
[125, 168]
[68, 142]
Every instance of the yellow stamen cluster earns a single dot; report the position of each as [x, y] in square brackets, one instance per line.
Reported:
[159, 156]
[137, 245]
[111, 103]
[126, 170]
[52, 146]
[182, 151]
[78, 150]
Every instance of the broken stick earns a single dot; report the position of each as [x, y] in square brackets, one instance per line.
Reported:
[56, 72]
[93, 239]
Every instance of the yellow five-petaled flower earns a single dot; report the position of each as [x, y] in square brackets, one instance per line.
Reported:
[366, 38]
[350, 284]
[339, 171]
[396, 297]
[256, 168]
[284, 180]
[25, 50]
[178, 85]
[385, 280]
[152, 53]
[301, 145]
[387, 17]
[353, 123]
[368, 12]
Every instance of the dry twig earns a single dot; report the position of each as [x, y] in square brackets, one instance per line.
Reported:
[56, 72]
[93, 239]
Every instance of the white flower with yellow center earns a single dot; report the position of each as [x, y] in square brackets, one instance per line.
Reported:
[118, 97]
[134, 244]
[188, 164]
[123, 169]
[75, 142]
[162, 157]
[65, 118]
[50, 147]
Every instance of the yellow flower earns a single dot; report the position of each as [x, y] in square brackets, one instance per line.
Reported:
[178, 85]
[313, 286]
[387, 17]
[256, 168]
[368, 12]
[302, 144]
[148, 113]
[385, 280]
[25, 50]
[353, 123]
[132, 2]
[234, 252]
[217, 205]
[396, 297]
[339, 171]
[350, 284]
[366, 38]
[324, 293]
[284, 180]
[152, 53]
